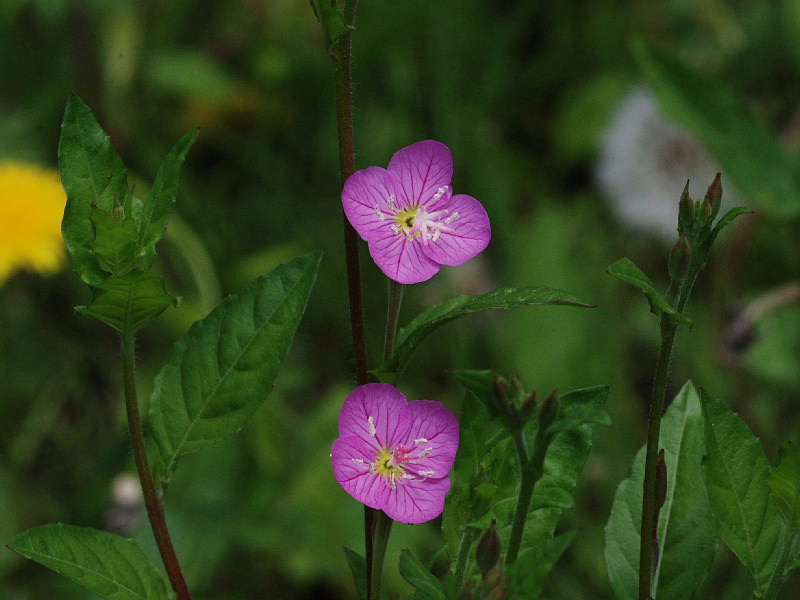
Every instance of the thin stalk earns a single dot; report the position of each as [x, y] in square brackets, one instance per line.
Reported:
[155, 512]
[462, 558]
[392, 317]
[378, 527]
[531, 468]
[668, 331]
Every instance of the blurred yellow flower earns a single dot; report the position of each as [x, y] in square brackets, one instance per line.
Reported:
[31, 207]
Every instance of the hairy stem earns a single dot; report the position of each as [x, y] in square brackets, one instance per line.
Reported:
[155, 512]
[462, 558]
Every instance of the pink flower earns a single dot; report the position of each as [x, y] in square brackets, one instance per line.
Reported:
[395, 455]
[409, 217]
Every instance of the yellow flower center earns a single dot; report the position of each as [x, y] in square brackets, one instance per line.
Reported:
[384, 465]
[404, 219]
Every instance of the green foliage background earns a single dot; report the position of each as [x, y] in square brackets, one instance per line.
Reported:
[520, 91]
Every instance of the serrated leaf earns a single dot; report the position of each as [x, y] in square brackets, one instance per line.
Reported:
[686, 532]
[129, 302]
[92, 173]
[115, 241]
[626, 270]
[784, 485]
[108, 565]
[225, 365]
[736, 473]
[746, 148]
[415, 573]
[430, 319]
[358, 567]
[156, 212]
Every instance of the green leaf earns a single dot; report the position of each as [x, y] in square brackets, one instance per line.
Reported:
[686, 533]
[108, 565]
[92, 173]
[726, 219]
[415, 573]
[225, 365]
[430, 319]
[784, 485]
[115, 241]
[358, 567]
[157, 211]
[533, 565]
[747, 149]
[625, 270]
[736, 473]
[129, 302]
[331, 19]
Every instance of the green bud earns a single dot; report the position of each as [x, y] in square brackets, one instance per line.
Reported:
[549, 411]
[685, 212]
[488, 552]
[679, 258]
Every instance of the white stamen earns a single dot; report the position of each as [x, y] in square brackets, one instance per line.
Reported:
[442, 191]
[378, 212]
[371, 423]
[421, 441]
[408, 476]
[395, 228]
[391, 202]
[428, 473]
[452, 218]
[436, 235]
[425, 453]
[357, 461]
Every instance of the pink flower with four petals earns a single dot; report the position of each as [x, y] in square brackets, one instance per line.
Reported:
[409, 216]
[395, 455]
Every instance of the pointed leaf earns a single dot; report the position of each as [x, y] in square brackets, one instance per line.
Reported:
[784, 484]
[358, 567]
[129, 302]
[736, 473]
[686, 533]
[415, 573]
[225, 365]
[157, 211]
[92, 173]
[626, 270]
[533, 565]
[409, 337]
[726, 219]
[108, 565]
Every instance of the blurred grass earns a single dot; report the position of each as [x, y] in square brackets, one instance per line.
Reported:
[521, 91]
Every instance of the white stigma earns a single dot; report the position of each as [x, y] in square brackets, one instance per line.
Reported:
[371, 423]
[430, 473]
[421, 441]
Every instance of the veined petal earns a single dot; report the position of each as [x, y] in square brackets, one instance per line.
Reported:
[417, 500]
[421, 170]
[469, 232]
[366, 202]
[351, 462]
[376, 413]
[432, 439]
[401, 259]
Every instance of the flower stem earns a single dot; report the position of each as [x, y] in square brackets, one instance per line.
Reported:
[647, 532]
[392, 317]
[462, 558]
[155, 512]
[378, 526]
[531, 469]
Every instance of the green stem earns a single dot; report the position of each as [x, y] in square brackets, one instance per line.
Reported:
[647, 540]
[531, 469]
[155, 512]
[392, 317]
[378, 526]
[462, 558]
[788, 551]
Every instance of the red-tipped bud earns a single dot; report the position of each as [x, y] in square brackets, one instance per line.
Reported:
[714, 195]
[685, 211]
[487, 554]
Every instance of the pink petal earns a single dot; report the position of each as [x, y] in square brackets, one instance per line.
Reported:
[470, 236]
[417, 500]
[433, 437]
[365, 199]
[401, 259]
[376, 413]
[354, 476]
[421, 169]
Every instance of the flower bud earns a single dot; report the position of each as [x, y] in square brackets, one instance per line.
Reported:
[714, 196]
[549, 411]
[679, 259]
[488, 552]
[685, 212]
